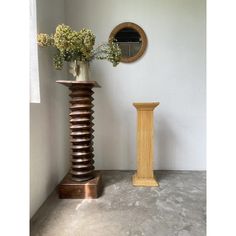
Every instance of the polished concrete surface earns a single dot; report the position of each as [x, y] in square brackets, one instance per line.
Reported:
[176, 208]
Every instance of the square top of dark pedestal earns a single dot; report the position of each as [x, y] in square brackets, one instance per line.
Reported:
[70, 83]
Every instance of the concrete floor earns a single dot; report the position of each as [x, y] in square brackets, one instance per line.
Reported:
[176, 208]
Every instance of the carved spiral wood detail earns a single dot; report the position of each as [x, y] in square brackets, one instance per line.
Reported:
[81, 116]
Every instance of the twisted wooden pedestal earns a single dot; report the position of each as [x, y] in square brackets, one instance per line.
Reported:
[81, 117]
[82, 181]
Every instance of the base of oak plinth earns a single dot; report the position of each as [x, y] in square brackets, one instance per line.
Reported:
[148, 182]
[80, 190]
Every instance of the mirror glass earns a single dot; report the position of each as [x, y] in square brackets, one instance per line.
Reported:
[129, 41]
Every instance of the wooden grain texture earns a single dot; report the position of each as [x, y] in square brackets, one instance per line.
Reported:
[81, 123]
[70, 189]
[81, 116]
[74, 83]
[144, 175]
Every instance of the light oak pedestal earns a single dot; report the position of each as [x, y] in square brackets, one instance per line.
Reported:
[144, 175]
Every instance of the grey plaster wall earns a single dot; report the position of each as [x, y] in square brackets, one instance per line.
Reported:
[49, 143]
[172, 71]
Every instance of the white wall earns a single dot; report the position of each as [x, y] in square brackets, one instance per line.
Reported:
[172, 71]
[48, 120]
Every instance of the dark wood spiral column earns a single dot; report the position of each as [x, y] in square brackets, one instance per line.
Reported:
[81, 117]
[82, 173]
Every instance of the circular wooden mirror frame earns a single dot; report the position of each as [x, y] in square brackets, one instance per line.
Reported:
[141, 33]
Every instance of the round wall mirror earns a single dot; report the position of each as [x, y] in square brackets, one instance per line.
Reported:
[131, 39]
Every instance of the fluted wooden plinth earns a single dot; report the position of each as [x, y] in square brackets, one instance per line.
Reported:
[144, 175]
[81, 117]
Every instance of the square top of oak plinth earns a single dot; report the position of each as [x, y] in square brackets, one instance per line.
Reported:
[146, 106]
[70, 83]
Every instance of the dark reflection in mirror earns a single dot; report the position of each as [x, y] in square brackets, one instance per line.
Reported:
[129, 41]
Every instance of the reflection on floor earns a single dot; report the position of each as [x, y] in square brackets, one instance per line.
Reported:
[176, 208]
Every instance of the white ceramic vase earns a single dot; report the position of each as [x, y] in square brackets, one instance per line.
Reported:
[80, 70]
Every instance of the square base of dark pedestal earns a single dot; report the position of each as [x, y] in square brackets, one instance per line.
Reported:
[80, 190]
